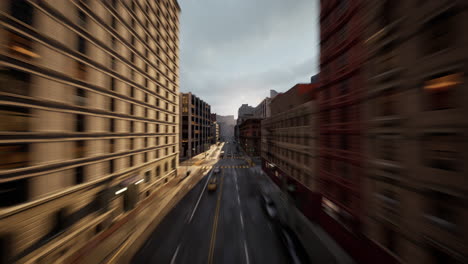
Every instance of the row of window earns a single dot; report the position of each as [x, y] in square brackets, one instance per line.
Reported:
[303, 120]
[303, 139]
[14, 156]
[440, 151]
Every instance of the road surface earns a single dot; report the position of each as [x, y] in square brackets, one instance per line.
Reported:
[227, 225]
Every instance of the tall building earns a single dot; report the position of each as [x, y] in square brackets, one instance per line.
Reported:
[289, 145]
[89, 119]
[416, 112]
[195, 125]
[340, 100]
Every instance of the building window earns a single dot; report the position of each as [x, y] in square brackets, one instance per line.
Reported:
[439, 92]
[80, 123]
[81, 45]
[112, 125]
[22, 10]
[158, 171]
[147, 176]
[441, 210]
[14, 81]
[112, 104]
[14, 156]
[79, 175]
[166, 167]
[13, 193]
[132, 143]
[439, 33]
[112, 145]
[441, 151]
[111, 166]
[80, 97]
[80, 149]
[14, 118]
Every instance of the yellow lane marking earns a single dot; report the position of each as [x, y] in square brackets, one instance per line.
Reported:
[215, 222]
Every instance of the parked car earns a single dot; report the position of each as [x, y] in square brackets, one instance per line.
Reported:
[216, 171]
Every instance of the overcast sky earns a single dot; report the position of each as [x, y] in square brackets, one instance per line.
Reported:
[235, 51]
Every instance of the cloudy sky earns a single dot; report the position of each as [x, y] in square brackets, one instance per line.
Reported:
[235, 51]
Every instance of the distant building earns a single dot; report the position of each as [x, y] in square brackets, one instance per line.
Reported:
[244, 111]
[250, 136]
[195, 125]
[226, 126]
[262, 110]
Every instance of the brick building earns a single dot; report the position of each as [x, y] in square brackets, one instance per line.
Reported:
[289, 145]
[416, 112]
[340, 100]
[250, 136]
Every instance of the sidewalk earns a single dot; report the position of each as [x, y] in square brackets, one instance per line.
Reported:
[126, 236]
[320, 247]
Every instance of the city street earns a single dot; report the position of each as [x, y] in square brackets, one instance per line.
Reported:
[227, 225]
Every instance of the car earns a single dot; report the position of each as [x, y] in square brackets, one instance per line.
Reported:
[269, 206]
[216, 171]
[212, 184]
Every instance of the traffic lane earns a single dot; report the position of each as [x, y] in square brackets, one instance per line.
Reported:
[196, 237]
[263, 241]
[229, 239]
[164, 240]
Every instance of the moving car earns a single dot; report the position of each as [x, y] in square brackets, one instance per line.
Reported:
[269, 206]
[221, 155]
[216, 171]
[212, 184]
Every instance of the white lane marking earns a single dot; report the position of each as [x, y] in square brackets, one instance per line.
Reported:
[175, 255]
[238, 199]
[199, 198]
[246, 252]
[242, 220]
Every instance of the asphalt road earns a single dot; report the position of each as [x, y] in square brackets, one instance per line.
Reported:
[228, 225]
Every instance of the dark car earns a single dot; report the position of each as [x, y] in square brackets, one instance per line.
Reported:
[269, 206]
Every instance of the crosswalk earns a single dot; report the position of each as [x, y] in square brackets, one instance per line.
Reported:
[226, 167]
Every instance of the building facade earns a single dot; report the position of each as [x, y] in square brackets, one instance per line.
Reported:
[89, 114]
[340, 100]
[195, 126]
[417, 145]
[262, 110]
[289, 145]
[250, 136]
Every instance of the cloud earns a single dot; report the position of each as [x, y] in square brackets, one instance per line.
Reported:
[235, 51]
